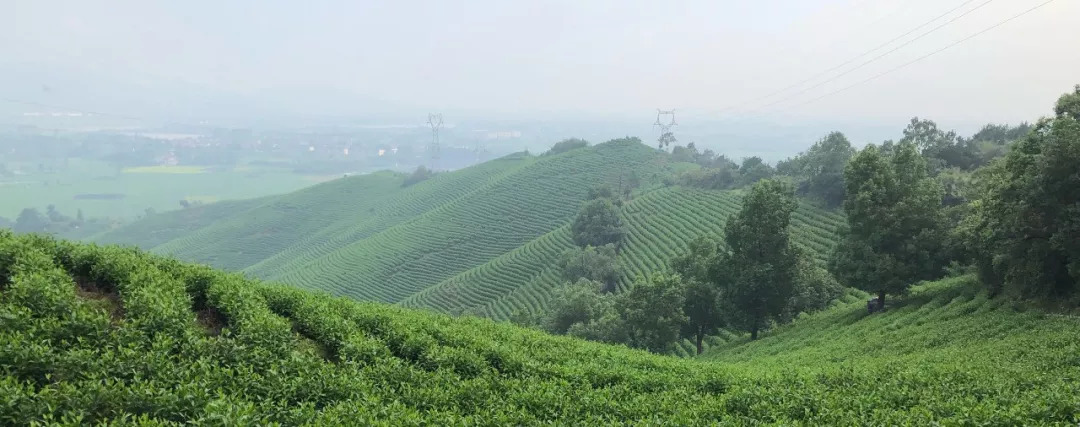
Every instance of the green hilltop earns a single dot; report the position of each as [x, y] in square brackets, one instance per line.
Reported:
[112, 335]
[483, 239]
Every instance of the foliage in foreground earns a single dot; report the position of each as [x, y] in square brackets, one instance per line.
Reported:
[1024, 231]
[91, 334]
[947, 353]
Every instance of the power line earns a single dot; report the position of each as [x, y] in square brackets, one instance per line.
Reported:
[904, 65]
[871, 60]
[822, 73]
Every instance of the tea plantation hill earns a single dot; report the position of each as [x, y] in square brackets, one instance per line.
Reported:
[93, 335]
[482, 239]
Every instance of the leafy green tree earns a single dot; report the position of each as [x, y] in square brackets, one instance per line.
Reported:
[720, 178]
[591, 263]
[580, 302]
[698, 261]
[30, 220]
[814, 290]
[598, 224]
[686, 154]
[603, 191]
[633, 181]
[702, 307]
[666, 139]
[758, 273]
[823, 166]
[753, 169]
[607, 326]
[702, 303]
[1024, 232]
[893, 235]
[420, 174]
[567, 145]
[942, 149]
[992, 141]
[653, 312]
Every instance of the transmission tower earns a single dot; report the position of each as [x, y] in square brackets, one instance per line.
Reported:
[666, 136]
[435, 121]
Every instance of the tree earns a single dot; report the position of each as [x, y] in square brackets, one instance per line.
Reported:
[603, 191]
[666, 139]
[941, 149]
[633, 181]
[815, 288]
[598, 224]
[53, 214]
[823, 166]
[758, 273]
[653, 312]
[579, 302]
[702, 304]
[420, 174]
[753, 169]
[567, 145]
[590, 263]
[30, 221]
[686, 154]
[1024, 230]
[893, 234]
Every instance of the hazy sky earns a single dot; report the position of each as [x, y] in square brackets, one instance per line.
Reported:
[514, 57]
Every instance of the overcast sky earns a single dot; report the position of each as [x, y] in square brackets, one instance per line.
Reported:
[513, 57]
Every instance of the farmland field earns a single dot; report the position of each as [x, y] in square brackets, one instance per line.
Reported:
[97, 335]
[166, 169]
[76, 185]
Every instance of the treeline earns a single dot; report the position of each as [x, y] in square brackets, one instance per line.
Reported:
[933, 203]
[818, 173]
[754, 277]
[1003, 203]
[32, 220]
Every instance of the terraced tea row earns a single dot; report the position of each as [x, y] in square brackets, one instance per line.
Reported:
[660, 225]
[93, 335]
[398, 208]
[471, 231]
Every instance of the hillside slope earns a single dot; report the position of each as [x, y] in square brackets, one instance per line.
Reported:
[660, 226]
[483, 239]
[91, 335]
[163, 227]
[945, 350]
[509, 212]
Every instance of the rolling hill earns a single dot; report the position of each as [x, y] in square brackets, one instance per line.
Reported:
[482, 239]
[91, 335]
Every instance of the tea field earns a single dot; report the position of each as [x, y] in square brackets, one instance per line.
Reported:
[483, 239]
[94, 335]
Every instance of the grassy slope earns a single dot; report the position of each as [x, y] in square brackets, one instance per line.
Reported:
[160, 228]
[90, 335]
[661, 223]
[946, 350]
[470, 231]
[484, 238]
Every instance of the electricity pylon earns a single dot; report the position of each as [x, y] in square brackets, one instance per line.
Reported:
[435, 121]
[666, 136]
